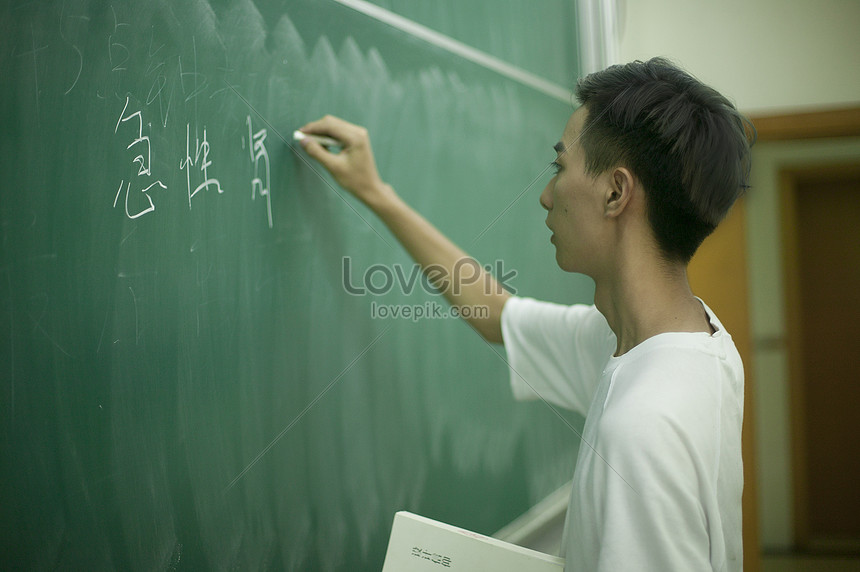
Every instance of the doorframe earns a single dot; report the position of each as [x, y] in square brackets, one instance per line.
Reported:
[820, 124]
[790, 179]
[830, 126]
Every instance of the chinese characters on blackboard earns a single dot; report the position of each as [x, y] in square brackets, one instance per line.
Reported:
[201, 160]
[138, 196]
[144, 161]
[260, 155]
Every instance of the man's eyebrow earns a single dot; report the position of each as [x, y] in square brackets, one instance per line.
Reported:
[559, 147]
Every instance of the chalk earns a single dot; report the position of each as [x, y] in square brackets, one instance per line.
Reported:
[321, 139]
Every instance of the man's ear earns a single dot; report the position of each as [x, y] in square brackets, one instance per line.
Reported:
[620, 191]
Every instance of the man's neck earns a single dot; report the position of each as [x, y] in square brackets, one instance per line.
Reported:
[642, 299]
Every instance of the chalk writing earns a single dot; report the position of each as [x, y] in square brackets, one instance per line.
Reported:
[200, 83]
[63, 20]
[156, 70]
[145, 163]
[201, 160]
[143, 160]
[35, 52]
[259, 154]
[116, 48]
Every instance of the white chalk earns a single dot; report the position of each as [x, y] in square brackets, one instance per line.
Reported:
[321, 139]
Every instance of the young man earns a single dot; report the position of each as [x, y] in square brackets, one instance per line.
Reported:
[646, 169]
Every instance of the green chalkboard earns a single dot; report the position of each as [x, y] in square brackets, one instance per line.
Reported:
[190, 377]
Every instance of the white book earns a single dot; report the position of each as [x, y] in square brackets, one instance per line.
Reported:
[421, 544]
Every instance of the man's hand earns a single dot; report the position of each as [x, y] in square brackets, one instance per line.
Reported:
[354, 168]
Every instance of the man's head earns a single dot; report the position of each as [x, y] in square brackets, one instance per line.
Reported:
[684, 142]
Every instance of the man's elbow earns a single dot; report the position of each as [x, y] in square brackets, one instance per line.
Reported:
[487, 319]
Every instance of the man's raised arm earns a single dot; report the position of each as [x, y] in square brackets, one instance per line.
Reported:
[460, 278]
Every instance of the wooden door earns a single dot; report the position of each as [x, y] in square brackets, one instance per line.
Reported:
[821, 231]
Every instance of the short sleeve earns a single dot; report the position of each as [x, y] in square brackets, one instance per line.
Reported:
[555, 352]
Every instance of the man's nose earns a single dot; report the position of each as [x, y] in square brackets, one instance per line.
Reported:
[546, 197]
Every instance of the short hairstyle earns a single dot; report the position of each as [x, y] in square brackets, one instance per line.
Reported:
[686, 143]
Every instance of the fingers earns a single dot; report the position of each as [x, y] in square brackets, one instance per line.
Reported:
[344, 131]
[353, 167]
[318, 152]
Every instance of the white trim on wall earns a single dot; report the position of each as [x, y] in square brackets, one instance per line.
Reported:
[598, 25]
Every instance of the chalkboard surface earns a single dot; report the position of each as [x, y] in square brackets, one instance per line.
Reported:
[197, 370]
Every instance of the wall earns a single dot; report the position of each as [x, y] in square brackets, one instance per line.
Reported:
[767, 55]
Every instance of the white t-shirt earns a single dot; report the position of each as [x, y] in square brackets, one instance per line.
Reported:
[658, 481]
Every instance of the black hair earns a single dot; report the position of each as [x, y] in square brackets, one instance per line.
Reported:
[686, 143]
